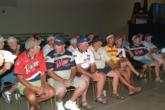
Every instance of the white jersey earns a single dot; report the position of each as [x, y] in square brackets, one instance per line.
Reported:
[84, 59]
[101, 57]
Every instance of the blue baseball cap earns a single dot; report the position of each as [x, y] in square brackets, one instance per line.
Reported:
[82, 40]
[59, 41]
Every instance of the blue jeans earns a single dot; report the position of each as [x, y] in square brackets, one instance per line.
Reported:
[8, 77]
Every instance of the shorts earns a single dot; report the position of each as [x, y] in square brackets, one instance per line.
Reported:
[144, 59]
[105, 70]
[59, 87]
[21, 87]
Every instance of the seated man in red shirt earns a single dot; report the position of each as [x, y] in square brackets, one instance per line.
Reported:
[30, 69]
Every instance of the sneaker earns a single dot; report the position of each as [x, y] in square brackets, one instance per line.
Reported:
[71, 105]
[7, 96]
[60, 106]
[159, 80]
[17, 96]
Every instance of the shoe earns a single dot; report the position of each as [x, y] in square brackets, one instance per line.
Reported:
[60, 106]
[135, 91]
[17, 96]
[118, 97]
[159, 80]
[101, 100]
[7, 96]
[86, 106]
[71, 105]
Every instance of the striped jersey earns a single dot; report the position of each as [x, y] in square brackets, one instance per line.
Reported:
[61, 64]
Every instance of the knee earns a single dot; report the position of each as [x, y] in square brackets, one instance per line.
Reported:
[117, 75]
[102, 76]
[51, 92]
[83, 85]
[61, 90]
[31, 98]
[145, 67]
[86, 79]
[157, 63]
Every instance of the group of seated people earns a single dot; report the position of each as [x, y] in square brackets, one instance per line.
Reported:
[41, 71]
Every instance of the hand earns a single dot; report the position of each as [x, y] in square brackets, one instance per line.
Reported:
[95, 76]
[66, 83]
[39, 90]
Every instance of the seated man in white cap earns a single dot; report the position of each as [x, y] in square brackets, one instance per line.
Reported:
[49, 46]
[14, 46]
[87, 70]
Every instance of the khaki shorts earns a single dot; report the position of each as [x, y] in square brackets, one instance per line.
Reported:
[21, 87]
[59, 87]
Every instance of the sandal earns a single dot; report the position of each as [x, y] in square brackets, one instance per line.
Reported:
[87, 105]
[118, 97]
[101, 100]
[136, 91]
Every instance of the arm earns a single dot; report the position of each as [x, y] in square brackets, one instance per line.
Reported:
[73, 73]
[27, 84]
[55, 77]
[43, 79]
[5, 67]
[83, 71]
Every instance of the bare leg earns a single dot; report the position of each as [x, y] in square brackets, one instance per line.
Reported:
[79, 91]
[100, 84]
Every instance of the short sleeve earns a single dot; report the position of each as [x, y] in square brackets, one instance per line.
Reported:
[92, 59]
[105, 55]
[8, 56]
[18, 67]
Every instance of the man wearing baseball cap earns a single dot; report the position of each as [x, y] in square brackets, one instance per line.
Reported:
[30, 70]
[62, 69]
[87, 69]
[49, 46]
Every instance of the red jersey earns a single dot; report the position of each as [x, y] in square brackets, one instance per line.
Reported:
[30, 68]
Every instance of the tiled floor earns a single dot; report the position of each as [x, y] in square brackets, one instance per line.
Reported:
[151, 98]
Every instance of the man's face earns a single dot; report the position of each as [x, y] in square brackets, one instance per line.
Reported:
[149, 38]
[35, 50]
[59, 48]
[137, 41]
[110, 41]
[12, 45]
[119, 42]
[51, 41]
[98, 44]
[83, 46]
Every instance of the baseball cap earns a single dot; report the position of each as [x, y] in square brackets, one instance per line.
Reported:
[134, 37]
[59, 41]
[96, 39]
[109, 36]
[73, 41]
[82, 40]
[30, 43]
[51, 37]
